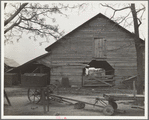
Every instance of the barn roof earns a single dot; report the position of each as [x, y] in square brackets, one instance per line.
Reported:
[52, 45]
[98, 15]
[29, 62]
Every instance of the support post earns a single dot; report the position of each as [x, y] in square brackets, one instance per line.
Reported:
[5, 94]
[43, 99]
[134, 88]
[47, 100]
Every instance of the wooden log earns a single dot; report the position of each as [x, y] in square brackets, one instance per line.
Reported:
[99, 85]
[95, 81]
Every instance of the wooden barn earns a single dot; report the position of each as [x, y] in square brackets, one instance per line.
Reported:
[97, 53]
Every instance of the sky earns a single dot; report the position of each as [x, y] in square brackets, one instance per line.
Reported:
[27, 49]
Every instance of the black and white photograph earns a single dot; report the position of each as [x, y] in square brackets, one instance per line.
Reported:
[74, 59]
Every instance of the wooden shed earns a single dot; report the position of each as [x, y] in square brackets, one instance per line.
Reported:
[99, 43]
[32, 66]
[10, 78]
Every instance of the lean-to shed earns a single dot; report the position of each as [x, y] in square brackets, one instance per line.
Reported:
[10, 78]
[99, 43]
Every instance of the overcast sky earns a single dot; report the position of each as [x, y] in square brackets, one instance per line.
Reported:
[27, 49]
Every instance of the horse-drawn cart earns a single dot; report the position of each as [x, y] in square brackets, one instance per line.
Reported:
[37, 87]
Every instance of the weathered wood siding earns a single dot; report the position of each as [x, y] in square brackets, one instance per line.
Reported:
[78, 46]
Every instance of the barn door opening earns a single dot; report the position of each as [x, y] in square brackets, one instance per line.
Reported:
[99, 48]
[98, 73]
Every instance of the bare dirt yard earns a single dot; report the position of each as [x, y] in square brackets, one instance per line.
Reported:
[21, 106]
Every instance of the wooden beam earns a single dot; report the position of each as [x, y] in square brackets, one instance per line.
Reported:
[5, 94]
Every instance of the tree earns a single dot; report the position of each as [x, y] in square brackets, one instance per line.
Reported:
[140, 69]
[31, 18]
[138, 42]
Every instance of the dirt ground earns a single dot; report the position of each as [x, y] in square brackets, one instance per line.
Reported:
[22, 107]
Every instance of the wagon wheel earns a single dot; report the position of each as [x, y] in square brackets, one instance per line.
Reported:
[113, 104]
[34, 95]
[108, 110]
[82, 105]
[79, 105]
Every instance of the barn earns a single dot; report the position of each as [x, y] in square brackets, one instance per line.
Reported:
[97, 53]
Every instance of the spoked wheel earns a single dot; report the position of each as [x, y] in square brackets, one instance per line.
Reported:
[113, 104]
[108, 110]
[79, 105]
[34, 95]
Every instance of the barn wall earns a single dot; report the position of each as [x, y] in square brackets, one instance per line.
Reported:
[77, 47]
[74, 73]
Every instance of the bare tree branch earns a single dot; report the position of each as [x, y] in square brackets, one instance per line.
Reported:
[5, 4]
[113, 14]
[15, 14]
[124, 18]
[13, 25]
[115, 10]
[141, 9]
[33, 18]
[32, 29]
[142, 15]
[139, 22]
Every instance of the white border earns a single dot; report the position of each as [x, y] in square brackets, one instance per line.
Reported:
[72, 117]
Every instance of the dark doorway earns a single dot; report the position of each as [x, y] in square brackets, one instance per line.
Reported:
[109, 70]
[98, 73]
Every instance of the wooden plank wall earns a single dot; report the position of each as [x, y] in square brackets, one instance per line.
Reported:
[77, 47]
[74, 73]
